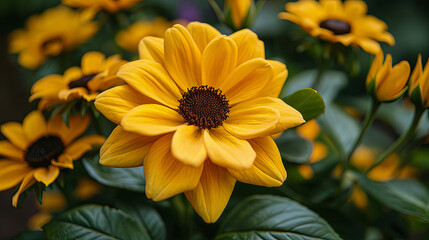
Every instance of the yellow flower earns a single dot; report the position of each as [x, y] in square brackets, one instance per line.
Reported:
[56, 30]
[95, 75]
[384, 82]
[108, 5]
[335, 21]
[419, 84]
[309, 131]
[239, 10]
[129, 38]
[37, 150]
[359, 198]
[198, 112]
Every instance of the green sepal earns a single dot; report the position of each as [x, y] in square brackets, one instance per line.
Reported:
[371, 89]
[416, 97]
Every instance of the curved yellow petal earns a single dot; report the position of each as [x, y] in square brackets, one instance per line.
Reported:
[152, 80]
[152, 120]
[12, 172]
[125, 149]
[152, 48]
[354, 9]
[26, 183]
[77, 126]
[63, 161]
[247, 80]
[375, 66]
[275, 85]
[219, 61]
[182, 57]
[16, 134]
[47, 175]
[212, 194]
[92, 63]
[268, 169]
[9, 150]
[84, 144]
[415, 75]
[249, 46]
[395, 82]
[202, 33]
[72, 74]
[48, 87]
[369, 45]
[165, 175]
[188, 146]
[34, 126]
[228, 151]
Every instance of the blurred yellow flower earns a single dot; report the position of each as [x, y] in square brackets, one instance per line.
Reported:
[384, 82]
[37, 150]
[309, 131]
[239, 10]
[129, 38]
[95, 75]
[419, 84]
[198, 112]
[108, 5]
[335, 21]
[48, 34]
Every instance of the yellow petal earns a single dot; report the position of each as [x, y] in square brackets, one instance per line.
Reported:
[165, 175]
[369, 45]
[249, 121]
[152, 120]
[395, 83]
[249, 46]
[188, 146]
[92, 63]
[275, 85]
[227, 150]
[268, 169]
[417, 72]
[31, 59]
[247, 80]
[16, 134]
[306, 171]
[182, 57]
[63, 161]
[239, 11]
[355, 9]
[202, 33]
[219, 61]
[47, 175]
[77, 126]
[83, 145]
[48, 87]
[212, 194]
[9, 150]
[34, 126]
[375, 67]
[384, 71]
[152, 48]
[12, 172]
[125, 149]
[26, 183]
[72, 74]
[152, 80]
[424, 85]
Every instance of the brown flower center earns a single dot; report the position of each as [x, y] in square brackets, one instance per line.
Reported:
[82, 82]
[338, 27]
[204, 107]
[41, 152]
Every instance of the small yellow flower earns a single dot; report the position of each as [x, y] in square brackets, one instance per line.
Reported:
[239, 11]
[108, 5]
[198, 112]
[335, 21]
[129, 38]
[54, 31]
[37, 150]
[419, 84]
[95, 75]
[384, 82]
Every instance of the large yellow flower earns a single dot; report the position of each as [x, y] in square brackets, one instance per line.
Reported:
[335, 21]
[49, 34]
[37, 150]
[419, 84]
[95, 75]
[108, 5]
[198, 113]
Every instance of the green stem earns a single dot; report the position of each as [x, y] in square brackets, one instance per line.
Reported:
[404, 138]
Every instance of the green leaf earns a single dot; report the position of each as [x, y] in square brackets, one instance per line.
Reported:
[405, 196]
[307, 101]
[294, 148]
[125, 178]
[263, 217]
[94, 222]
[147, 216]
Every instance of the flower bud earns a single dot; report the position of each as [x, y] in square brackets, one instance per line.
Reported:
[239, 12]
[419, 84]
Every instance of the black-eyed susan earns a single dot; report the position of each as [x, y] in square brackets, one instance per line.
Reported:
[338, 22]
[419, 84]
[54, 31]
[198, 112]
[387, 83]
[108, 5]
[129, 38]
[95, 75]
[36, 150]
[239, 10]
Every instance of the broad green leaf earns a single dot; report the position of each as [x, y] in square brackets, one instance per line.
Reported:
[147, 216]
[405, 196]
[294, 148]
[264, 217]
[125, 178]
[307, 101]
[94, 222]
